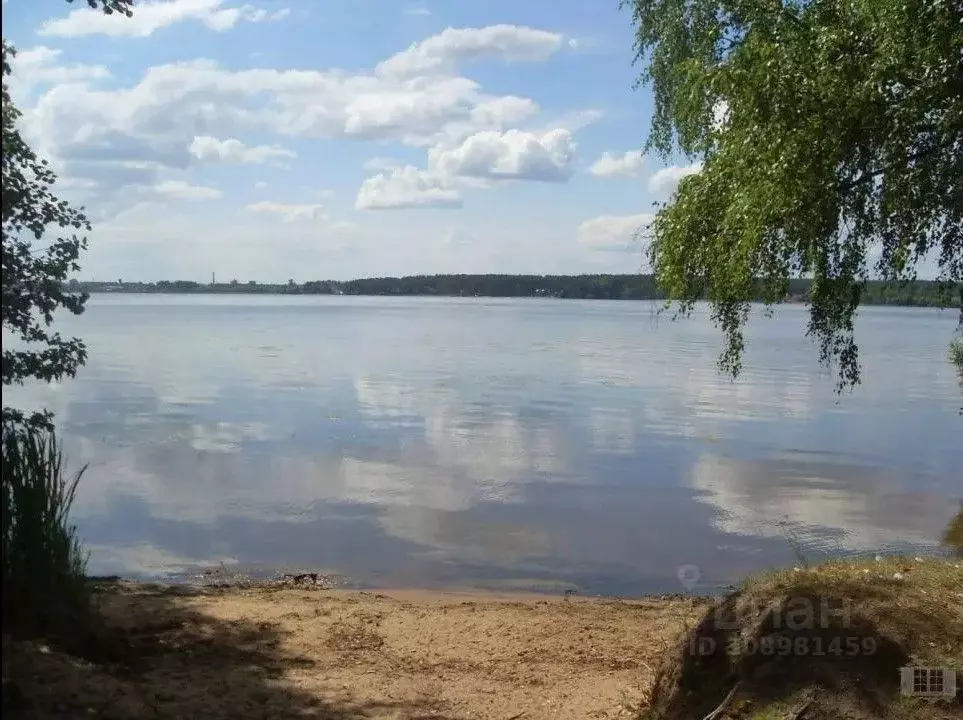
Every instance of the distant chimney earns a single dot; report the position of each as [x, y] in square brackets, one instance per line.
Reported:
[212, 279]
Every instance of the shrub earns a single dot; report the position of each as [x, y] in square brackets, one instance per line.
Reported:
[956, 354]
[44, 589]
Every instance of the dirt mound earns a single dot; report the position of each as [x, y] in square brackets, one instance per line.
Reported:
[826, 642]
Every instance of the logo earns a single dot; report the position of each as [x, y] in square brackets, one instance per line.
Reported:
[928, 682]
[799, 626]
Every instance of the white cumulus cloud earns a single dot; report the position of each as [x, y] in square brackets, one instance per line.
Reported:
[38, 66]
[406, 187]
[628, 164]
[614, 232]
[158, 118]
[232, 150]
[665, 180]
[444, 51]
[199, 97]
[127, 135]
[509, 155]
[152, 16]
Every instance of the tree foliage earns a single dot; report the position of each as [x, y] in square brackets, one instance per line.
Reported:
[831, 138]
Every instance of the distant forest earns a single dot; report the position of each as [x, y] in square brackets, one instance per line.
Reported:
[597, 287]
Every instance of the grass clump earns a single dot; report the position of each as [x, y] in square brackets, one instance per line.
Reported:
[44, 591]
[826, 642]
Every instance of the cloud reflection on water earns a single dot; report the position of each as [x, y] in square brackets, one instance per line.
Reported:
[423, 441]
[826, 506]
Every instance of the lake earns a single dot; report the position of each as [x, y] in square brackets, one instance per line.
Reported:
[503, 443]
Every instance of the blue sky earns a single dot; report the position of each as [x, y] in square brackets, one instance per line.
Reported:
[312, 139]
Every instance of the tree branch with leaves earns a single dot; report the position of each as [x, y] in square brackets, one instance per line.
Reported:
[831, 138]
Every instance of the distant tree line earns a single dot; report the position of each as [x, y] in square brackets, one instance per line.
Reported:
[602, 287]
[598, 287]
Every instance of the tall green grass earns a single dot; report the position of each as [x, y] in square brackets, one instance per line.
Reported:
[44, 589]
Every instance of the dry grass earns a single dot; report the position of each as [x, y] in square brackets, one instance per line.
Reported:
[831, 637]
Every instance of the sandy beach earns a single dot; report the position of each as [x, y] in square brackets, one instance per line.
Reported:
[270, 653]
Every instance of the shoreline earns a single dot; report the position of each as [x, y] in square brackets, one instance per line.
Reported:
[952, 305]
[224, 578]
[402, 593]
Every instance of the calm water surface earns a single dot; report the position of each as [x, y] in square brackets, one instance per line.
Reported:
[503, 443]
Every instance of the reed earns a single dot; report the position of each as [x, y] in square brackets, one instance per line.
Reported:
[44, 588]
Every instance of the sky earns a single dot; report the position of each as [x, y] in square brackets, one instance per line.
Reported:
[334, 139]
